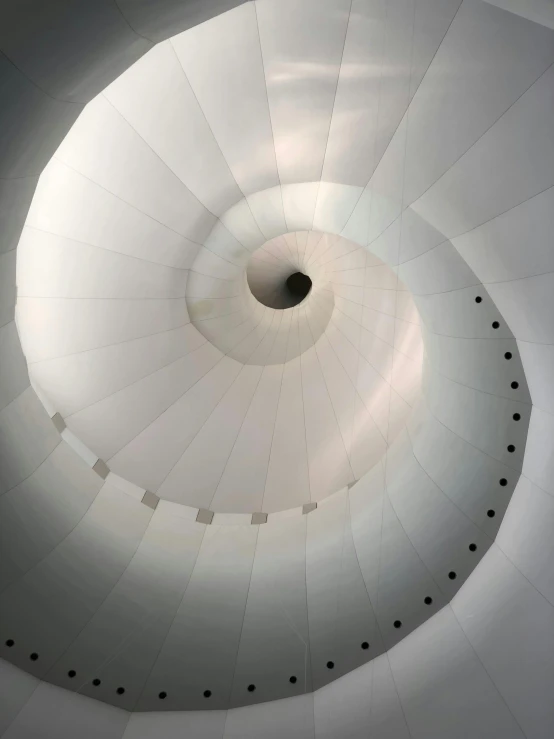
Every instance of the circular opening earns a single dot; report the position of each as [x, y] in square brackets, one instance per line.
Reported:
[452, 575]
[503, 482]
[120, 691]
[495, 324]
[33, 656]
[365, 645]
[96, 682]
[163, 695]
[251, 688]
[292, 679]
[10, 643]
[298, 285]
[397, 624]
[478, 299]
[515, 385]
[508, 355]
[516, 416]
[491, 513]
[473, 547]
[428, 600]
[330, 665]
[207, 693]
[71, 673]
[279, 289]
[511, 448]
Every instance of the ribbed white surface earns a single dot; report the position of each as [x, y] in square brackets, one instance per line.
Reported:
[416, 138]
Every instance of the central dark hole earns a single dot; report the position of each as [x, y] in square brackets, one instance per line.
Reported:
[298, 285]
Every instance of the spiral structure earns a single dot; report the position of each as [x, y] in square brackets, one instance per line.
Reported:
[276, 366]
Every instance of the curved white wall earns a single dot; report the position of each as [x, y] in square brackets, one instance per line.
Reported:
[453, 192]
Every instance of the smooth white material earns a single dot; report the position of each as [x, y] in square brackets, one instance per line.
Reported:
[414, 146]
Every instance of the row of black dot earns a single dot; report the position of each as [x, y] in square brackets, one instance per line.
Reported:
[507, 355]
[293, 679]
[514, 385]
[516, 416]
[251, 688]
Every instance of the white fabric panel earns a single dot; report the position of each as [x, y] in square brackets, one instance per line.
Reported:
[204, 459]
[447, 459]
[217, 592]
[34, 122]
[275, 624]
[294, 719]
[174, 725]
[50, 516]
[539, 11]
[17, 688]
[516, 153]
[301, 75]
[101, 146]
[13, 368]
[7, 287]
[156, 98]
[246, 468]
[182, 414]
[98, 373]
[54, 595]
[451, 111]
[131, 418]
[56, 267]
[497, 604]
[528, 518]
[110, 646]
[465, 702]
[494, 249]
[336, 592]
[267, 208]
[87, 324]
[49, 715]
[537, 464]
[287, 484]
[27, 437]
[223, 63]
[105, 221]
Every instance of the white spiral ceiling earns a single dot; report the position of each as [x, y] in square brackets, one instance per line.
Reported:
[225, 516]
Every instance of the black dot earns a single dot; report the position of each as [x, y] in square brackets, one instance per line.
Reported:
[71, 673]
[452, 575]
[120, 691]
[10, 643]
[514, 385]
[96, 682]
[207, 693]
[397, 624]
[292, 679]
[495, 324]
[251, 688]
[516, 416]
[511, 448]
[478, 299]
[503, 482]
[365, 645]
[428, 600]
[163, 695]
[491, 513]
[508, 355]
[330, 665]
[33, 656]
[473, 547]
